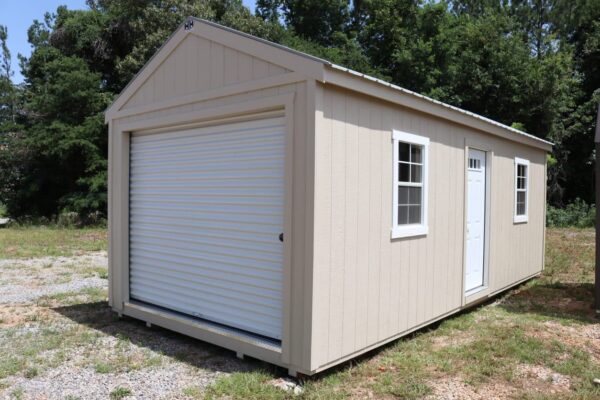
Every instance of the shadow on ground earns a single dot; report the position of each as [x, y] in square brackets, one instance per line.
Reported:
[99, 316]
[571, 301]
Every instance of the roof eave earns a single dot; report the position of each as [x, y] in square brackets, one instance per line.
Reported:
[349, 79]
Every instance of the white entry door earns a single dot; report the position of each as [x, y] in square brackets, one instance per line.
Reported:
[476, 187]
[206, 215]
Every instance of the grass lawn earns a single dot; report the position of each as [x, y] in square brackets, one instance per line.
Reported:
[29, 242]
[538, 341]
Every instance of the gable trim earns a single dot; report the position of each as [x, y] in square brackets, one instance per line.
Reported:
[240, 88]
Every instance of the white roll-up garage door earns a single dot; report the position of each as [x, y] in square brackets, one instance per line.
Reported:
[206, 212]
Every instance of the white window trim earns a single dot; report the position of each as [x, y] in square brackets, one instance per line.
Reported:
[400, 231]
[522, 218]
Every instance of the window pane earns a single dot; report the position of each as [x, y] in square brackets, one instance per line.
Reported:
[414, 215]
[520, 183]
[415, 154]
[521, 199]
[414, 195]
[403, 151]
[403, 172]
[415, 173]
[402, 215]
[402, 195]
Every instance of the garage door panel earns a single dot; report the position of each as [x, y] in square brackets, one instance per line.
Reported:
[169, 284]
[266, 163]
[225, 242]
[207, 176]
[184, 243]
[206, 212]
[239, 264]
[216, 133]
[190, 153]
[205, 156]
[193, 269]
[192, 214]
[264, 294]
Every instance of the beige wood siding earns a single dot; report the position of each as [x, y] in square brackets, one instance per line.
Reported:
[368, 287]
[197, 65]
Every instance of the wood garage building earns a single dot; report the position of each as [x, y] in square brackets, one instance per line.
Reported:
[298, 212]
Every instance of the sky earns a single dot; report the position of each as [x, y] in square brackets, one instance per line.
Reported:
[17, 16]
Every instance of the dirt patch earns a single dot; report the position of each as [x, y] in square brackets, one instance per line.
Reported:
[24, 281]
[531, 378]
[456, 339]
[542, 379]
[14, 315]
[453, 388]
[584, 337]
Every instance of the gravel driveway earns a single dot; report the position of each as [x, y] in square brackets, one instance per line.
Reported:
[59, 339]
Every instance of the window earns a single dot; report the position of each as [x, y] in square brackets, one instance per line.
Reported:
[409, 185]
[521, 189]
[474, 163]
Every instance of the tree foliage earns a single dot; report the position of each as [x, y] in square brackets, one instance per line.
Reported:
[534, 64]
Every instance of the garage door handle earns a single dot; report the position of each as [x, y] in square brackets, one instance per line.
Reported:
[281, 237]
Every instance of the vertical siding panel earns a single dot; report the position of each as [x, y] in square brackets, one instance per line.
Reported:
[374, 224]
[443, 211]
[436, 175]
[338, 231]
[362, 248]
[322, 237]
[260, 68]
[385, 141]
[351, 227]
[216, 65]
[230, 59]
[170, 74]
[244, 67]
[159, 83]
[204, 61]
[456, 274]
[181, 58]
[186, 81]
[299, 218]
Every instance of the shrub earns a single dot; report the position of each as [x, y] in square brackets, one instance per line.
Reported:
[577, 214]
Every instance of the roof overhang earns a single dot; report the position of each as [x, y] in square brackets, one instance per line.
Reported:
[352, 80]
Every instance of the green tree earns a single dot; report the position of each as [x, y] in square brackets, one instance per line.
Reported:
[315, 20]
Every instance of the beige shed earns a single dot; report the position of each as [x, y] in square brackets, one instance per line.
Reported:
[301, 213]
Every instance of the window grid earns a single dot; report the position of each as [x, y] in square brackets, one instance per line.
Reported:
[521, 189]
[410, 183]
